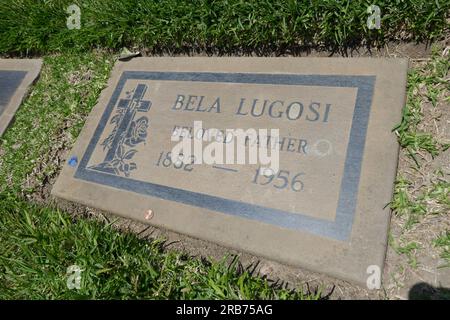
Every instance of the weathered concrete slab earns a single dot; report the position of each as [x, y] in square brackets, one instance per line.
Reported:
[16, 75]
[324, 209]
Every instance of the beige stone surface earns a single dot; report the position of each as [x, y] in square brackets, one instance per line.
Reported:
[11, 99]
[336, 224]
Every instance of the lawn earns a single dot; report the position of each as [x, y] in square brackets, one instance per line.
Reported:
[39, 244]
[213, 26]
[38, 241]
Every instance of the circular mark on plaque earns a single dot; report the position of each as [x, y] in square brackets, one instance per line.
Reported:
[322, 148]
[149, 214]
[179, 160]
[267, 172]
[73, 161]
[178, 163]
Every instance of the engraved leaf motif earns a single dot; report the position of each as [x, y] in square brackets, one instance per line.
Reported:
[116, 118]
[129, 154]
[119, 152]
[115, 163]
[133, 166]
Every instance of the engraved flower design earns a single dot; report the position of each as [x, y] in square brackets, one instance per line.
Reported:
[137, 132]
[120, 143]
[121, 161]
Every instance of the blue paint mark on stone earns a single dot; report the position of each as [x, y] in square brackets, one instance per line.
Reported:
[73, 161]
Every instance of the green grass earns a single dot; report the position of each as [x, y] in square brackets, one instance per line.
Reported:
[227, 26]
[404, 204]
[443, 242]
[425, 84]
[38, 244]
[428, 88]
[413, 207]
[51, 118]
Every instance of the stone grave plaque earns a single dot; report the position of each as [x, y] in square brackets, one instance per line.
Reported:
[16, 75]
[322, 204]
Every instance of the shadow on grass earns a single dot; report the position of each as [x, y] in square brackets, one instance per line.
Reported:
[425, 291]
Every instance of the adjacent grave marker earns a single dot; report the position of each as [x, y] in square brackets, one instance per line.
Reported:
[16, 75]
[323, 203]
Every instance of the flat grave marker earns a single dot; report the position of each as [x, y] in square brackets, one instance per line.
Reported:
[16, 75]
[323, 206]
